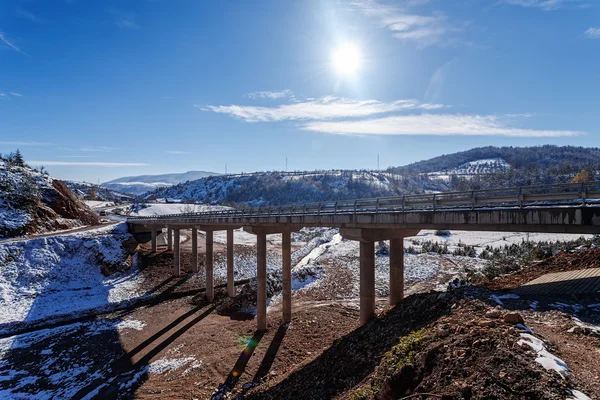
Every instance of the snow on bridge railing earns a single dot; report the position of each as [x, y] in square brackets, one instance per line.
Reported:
[572, 193]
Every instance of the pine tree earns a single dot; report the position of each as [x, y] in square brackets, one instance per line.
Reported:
[18, 160]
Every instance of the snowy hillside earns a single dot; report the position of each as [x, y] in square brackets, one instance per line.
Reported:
[278, 188]
[61, 275]
[32, 201]
[138, 185]
[98, 192]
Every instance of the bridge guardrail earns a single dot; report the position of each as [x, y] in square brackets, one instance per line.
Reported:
[572, 193]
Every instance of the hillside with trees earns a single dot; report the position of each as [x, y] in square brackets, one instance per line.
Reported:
[479, 168]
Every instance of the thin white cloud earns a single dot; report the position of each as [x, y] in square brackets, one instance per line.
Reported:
[545, 4]
[90, 149]
[24, 14]
[24, 143]
[177, 152]
[124, 19]
[16, 94]
[433, 124]
[592, 32]
[318, 109]
[271, 95]
[424, 30]
[86, 164]
[2, 94]
[4, 39]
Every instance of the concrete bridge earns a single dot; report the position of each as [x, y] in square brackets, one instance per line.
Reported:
[567, 208]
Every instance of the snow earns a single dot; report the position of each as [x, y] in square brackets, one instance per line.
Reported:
[159, 367]
[577, 395]
[480, 239]
[544, 357]
[93, 204]
[498, 299]
[60, 276]
[165, 209]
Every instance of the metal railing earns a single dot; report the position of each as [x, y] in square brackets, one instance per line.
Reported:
[569, 194]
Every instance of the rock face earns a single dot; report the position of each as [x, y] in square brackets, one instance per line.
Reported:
[68, 205]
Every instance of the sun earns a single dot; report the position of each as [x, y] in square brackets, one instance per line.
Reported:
[346, 59]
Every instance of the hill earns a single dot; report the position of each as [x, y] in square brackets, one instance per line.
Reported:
[96, 192]
[32, 201]
[141, 184]
[479, 168]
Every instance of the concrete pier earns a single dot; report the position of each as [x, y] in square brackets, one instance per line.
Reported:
[169, 239]
[261, 277]
[195, 266]
[230, 270]
[396, 270]
[367, 281]
[153, 235]
[210, 282]
[286, 266]
[177, 254]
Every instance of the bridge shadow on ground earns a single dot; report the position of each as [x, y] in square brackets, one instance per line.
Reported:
[240, 366]
[354, 356]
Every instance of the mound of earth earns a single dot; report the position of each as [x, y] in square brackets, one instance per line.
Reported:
[582, 259]
[443, 345]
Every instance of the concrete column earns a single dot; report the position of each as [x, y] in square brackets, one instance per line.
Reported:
[177, 255]
[169, 239]
[195, 250]
[286, 255]
[230, 276]
[261, 277]
[396, 271]
[367, 281]
[210, 284]
[154, 240]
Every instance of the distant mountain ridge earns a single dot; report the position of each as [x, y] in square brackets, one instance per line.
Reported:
[479, 168]
[141, 184]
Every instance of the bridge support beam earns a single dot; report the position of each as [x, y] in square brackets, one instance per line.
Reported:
[230, 270]
[210, 283]
[396, 271]
[367, 239]
[195, 250]
[261, 277]
[153, 240]
[177, 254]
[286, 266]
[169, 238]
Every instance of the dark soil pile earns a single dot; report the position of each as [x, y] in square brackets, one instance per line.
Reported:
[434, 343]
[561, 262]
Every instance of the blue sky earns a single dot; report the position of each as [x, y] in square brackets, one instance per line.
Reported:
[95, 90]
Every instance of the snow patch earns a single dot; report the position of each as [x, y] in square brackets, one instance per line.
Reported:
[544, 357]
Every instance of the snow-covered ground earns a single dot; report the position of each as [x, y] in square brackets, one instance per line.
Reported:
[61, 275]
[93, 204]
[480, 239]
[165, 209]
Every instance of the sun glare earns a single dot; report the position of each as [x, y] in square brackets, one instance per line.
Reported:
[346, 59]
